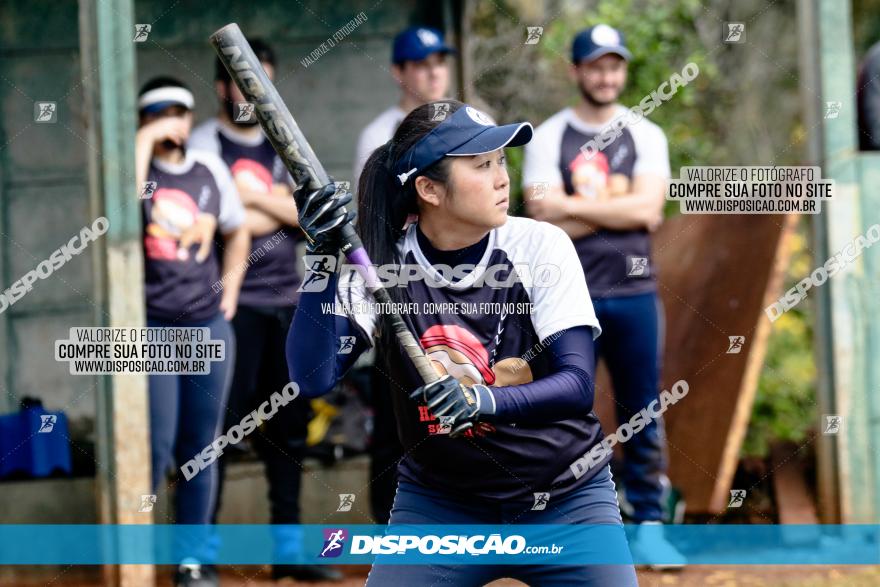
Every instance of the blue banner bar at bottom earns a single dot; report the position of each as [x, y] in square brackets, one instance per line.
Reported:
[435, 544]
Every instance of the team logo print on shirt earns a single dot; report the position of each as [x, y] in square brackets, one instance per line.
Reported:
[455, 351]
[592, 177]
[173, 211]
[252, 175]
[589, 176]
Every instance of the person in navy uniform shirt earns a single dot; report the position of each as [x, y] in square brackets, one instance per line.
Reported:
[495, 430]
[420, 67]
[608, 199]
[194, 237]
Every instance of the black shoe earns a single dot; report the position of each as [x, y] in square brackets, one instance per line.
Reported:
[192, 574]
[309, 573]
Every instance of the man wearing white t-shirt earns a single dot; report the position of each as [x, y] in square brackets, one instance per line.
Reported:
[608, 196]
[418, 65]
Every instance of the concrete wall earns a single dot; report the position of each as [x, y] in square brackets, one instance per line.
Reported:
[72, 501]
[43, 203]
[332, 99]
[43, 167]
[44, 188]
[245, 501]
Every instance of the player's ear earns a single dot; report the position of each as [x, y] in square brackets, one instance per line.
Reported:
[428, 190]
[573, 72]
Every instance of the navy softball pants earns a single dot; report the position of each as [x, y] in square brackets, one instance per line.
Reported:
[186, 415]
[593, 503]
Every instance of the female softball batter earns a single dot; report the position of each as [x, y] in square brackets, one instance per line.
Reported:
[517, 290]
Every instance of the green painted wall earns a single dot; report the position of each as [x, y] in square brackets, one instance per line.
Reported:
[44, 168]
[43, 202]
[332, 100]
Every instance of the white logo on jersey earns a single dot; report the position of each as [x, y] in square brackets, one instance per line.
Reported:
[619, 156]
[204, 196]
[605, 36]
[479, 117]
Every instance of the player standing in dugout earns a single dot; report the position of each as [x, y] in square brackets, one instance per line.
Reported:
[266, 306]
[608, 201]
[192, 198]
[494, 432]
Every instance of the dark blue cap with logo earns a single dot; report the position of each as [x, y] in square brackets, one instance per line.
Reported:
[597, 41]
[464, 133]
[416, 43]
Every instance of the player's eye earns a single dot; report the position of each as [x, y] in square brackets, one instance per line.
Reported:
[485, 164]
[502, 160]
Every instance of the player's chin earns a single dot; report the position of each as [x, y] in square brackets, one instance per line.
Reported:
[610, 95]
[498, 216]
[605, 96]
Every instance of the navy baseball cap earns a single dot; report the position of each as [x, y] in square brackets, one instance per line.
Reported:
[466, 132]
[416, 43]
[596, 41]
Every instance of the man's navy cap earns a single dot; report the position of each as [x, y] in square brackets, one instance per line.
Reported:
[466, 132]
[416, 43]
[597, 41]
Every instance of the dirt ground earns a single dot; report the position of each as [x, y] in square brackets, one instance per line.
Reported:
[694, 576]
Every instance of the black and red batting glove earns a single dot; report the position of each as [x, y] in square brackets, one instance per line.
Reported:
[460, 406]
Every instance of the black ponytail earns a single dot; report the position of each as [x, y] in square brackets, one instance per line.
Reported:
[383, 204]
